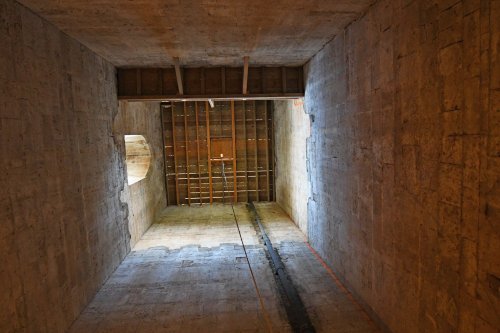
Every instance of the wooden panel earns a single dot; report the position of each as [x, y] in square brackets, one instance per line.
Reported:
[213, 82]
[192, 81]
[273, 80]
[194, 137]
[169, 83]
[293, 80]
[222, 146]
[254, 80]
[151, 81]
[127, 82]
[234, 79]
[223, 80]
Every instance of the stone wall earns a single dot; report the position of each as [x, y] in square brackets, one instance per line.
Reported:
[63, 228]
[291, 130]
[405, 162]
[146, 198]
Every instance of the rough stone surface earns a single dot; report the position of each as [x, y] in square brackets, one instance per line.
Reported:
[405, 162]
[151, 32]
[330, 307]
[63, 229]
[145, 198]
[189, 273]
[292, 128]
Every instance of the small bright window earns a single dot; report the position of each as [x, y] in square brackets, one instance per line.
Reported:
[138, 158]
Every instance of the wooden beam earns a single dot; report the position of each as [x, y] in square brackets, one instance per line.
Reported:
[175, 154]
[267, 152]
[245, 74]
[162, 119]
[272, 152]
[178, 75]
[233, 127]
[198, 149]
[246, 146]
[186, 142]
[256, 150]
[203, 98]
[208, 153]
[215, 82]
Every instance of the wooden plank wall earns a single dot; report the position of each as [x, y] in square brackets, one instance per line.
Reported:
[194, 137]
[211, 82]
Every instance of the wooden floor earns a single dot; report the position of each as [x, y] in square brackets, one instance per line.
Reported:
[189, 274]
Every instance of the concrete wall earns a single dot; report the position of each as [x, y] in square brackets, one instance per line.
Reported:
[405, 162]
[291, 130]
[63, 229]
[146, 198]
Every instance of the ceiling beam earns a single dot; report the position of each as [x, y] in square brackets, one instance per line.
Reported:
[245, 74]
[213, 98]
[178, 75]
[209, 82]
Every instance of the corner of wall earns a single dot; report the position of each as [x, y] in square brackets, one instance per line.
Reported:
[145, 199]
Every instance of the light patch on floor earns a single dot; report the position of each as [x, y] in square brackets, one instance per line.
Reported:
[203, 226]
[189, 274]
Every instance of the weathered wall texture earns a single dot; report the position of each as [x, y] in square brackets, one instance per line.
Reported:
[405, 162]
[292, 128]
[146, 198]
[63, 229]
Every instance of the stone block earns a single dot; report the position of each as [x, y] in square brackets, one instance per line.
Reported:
[439, 127]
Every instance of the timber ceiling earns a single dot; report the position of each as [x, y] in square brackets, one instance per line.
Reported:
[149, 33]
[219, 154]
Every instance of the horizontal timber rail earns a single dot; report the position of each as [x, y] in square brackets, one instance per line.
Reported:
[187, 98]
[214, 83]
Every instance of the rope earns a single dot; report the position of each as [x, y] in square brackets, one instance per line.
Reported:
[257, 290]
